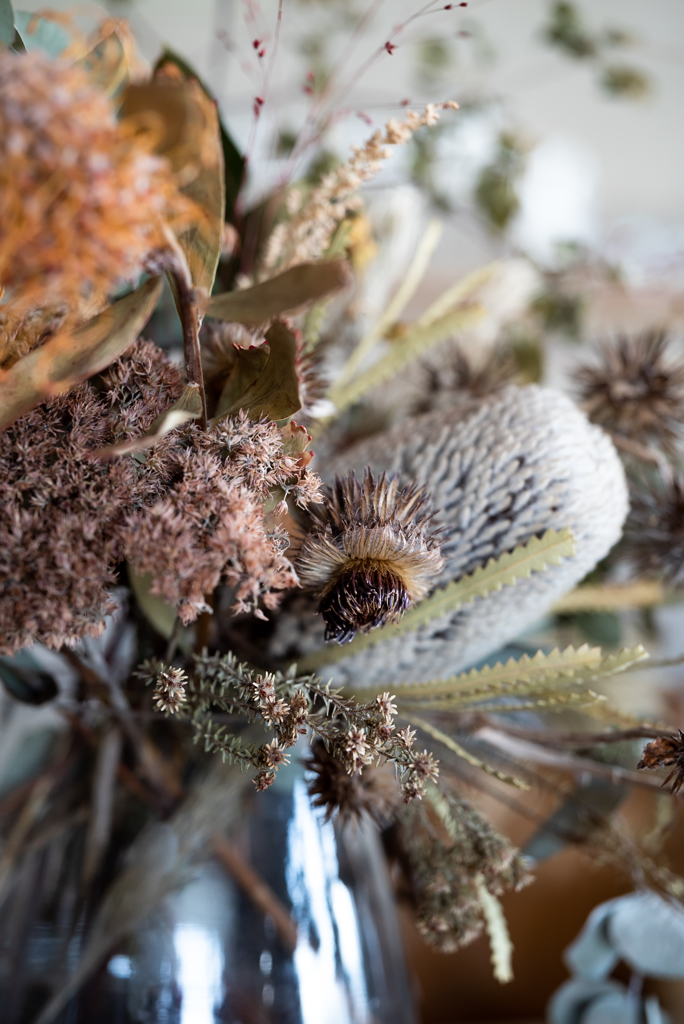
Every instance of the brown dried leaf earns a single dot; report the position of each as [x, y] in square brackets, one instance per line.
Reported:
[72, 356]
[285, 293]
[188, 407]
[275, 392]
[248, 366]
[188, 135]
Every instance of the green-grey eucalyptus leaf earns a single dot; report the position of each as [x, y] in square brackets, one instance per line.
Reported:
[285, 293]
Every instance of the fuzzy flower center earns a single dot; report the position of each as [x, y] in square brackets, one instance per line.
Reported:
[366, 593]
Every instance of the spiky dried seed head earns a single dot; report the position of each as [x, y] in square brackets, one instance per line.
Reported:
[350, 796]
[370, 555]
[666, 752]
[637, 390]
[169, 693]
[654, 534]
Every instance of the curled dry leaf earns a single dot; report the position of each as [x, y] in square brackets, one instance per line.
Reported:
[185, 122]
[188, 407]
[72, 356]
[284, 293]
[295, 442]
[264, 379]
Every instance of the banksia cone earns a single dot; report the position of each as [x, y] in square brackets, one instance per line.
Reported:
[525, 462]
[370, 555]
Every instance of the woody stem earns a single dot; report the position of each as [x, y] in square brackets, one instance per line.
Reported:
[189, 317]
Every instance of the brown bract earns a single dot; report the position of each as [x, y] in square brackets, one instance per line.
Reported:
[82, 199]
[666, 752]
[637, 390]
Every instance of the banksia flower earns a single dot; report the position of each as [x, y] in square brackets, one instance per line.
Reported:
[169, 693]
[370, 554]
[525, 462]
[654, 535]
[666, 752]
[81, 199]
[637, 390]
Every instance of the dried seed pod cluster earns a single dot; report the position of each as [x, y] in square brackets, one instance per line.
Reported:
[370, 555]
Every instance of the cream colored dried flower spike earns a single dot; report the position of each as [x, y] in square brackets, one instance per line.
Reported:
[370, 555]
[527, 461]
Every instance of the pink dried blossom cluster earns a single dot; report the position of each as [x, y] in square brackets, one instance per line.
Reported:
[191, 513]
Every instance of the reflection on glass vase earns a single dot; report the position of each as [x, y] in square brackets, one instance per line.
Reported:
[292, 921]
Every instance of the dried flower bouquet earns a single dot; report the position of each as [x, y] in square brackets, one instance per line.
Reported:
[179, 497]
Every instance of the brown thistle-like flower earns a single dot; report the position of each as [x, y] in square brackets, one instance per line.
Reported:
[457, 379]
[654, 534]
[666, 752]
[637, 391]
[370, 554]
[349, 796]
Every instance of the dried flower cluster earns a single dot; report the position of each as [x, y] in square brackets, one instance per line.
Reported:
[666, 752]
[654, 534]
[637, 390]
[169, 693]
[81, 198]
[306, 235]
[191, 514]
[445, 864]
[207, 525]
[370, 554]
[355, 735]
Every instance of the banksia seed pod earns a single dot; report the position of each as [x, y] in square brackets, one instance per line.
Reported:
[370, 555]
[525, 462]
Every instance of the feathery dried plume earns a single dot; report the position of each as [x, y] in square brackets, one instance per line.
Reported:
[82, 200]
[666, 752]
[654, 534]
[524, 462]
[637, 391]
[306, 235]
[370, 554]
[169, 693]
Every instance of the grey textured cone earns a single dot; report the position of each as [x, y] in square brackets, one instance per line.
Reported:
[526, 461]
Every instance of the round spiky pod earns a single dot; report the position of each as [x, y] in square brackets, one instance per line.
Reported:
[637, 390]
[525, 462]
[654, 535]
[370, 554]
[350, 796]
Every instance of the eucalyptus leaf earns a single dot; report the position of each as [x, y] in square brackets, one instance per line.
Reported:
[285, 293]
[74, 355]
[647, 931]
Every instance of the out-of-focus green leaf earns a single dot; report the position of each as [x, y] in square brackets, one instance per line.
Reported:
[155, 609]
[188, 407]
[72, 356]
[285, 293]
[275, 391]
[41, 33]
[6, 22]
[234, 163]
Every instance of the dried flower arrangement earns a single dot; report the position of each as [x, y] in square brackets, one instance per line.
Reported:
[439, 539]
